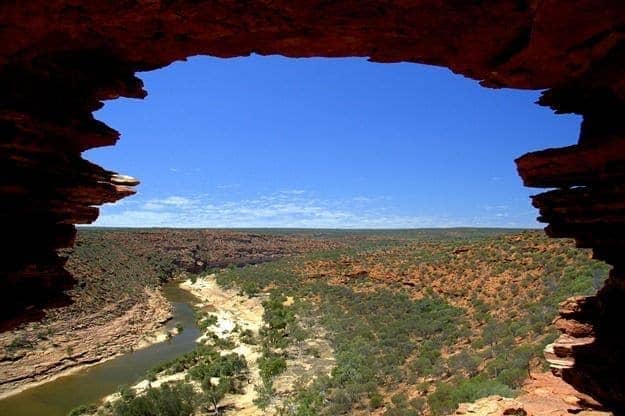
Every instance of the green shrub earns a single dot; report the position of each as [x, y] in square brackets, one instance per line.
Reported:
[230, 365]
[20, 342]
[223, 343]
[214, 393]
[247, 337]
[202, 353]
[205, 320]
[270, 365]
[376, 400]
[82, 410]
[168, 400]
[264, 393]
[401, 406]
[448, 395]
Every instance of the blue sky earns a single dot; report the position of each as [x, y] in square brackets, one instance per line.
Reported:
[332, 143]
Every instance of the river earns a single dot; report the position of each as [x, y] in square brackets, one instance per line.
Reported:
[58, 397]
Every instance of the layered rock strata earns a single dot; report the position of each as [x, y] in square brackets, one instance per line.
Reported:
[541, 395]
[102, 336]
[588, 204]
[60, 58]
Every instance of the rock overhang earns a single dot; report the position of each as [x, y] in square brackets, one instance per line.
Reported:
[59, 59]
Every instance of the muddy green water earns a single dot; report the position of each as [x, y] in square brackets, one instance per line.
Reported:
[58, 397]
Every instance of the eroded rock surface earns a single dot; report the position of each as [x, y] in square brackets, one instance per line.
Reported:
[116, 300]
[71, 346]
[60, 58]
[541, 395]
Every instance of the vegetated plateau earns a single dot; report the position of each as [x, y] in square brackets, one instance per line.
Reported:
[363, 322]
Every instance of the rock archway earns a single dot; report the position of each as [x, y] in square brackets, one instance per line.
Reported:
[60, 58]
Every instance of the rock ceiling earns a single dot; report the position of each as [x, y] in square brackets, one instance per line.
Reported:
[60, 58]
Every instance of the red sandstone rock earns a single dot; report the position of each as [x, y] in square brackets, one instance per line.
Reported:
[60, 58]
[574, 328]
[541, 395]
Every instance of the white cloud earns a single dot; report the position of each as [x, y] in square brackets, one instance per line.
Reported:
[186, 171]
[138, 218]
[228, 186]
[286, 208]
[500, 207]
[177, 201]
[167, 203]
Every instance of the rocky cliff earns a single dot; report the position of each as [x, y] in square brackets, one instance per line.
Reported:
[60, 58]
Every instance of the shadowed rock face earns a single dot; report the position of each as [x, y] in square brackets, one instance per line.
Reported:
[60, 58]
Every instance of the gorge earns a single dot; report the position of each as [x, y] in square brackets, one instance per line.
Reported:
[59, 59]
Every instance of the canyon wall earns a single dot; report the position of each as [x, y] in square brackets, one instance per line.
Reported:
[588, 204]
[60, 58]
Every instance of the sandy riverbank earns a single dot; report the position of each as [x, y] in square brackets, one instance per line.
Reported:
[232, 311]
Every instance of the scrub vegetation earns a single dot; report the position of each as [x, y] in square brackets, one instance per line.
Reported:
[114, 269]
[420, 324]
[114, 264]
[418, 321]
[210, 375]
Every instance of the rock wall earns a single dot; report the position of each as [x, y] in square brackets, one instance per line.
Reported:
[588, 204]
[60, 58]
